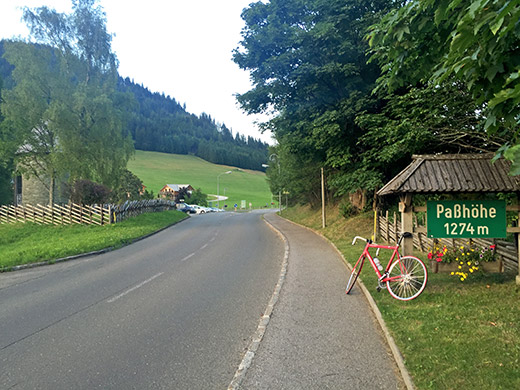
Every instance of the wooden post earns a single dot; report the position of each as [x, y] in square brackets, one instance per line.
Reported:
[323, 216]
[376, 224]
[394, 237]
[387, 226]
[421, 248]
[405, 207]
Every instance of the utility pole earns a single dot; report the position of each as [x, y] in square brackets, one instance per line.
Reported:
[323, 217]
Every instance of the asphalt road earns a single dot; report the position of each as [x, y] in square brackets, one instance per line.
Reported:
[174, 311]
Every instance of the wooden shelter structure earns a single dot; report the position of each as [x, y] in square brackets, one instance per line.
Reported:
[450, 174]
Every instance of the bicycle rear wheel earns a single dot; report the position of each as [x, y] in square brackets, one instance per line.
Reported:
[408, 277]
[354, 274]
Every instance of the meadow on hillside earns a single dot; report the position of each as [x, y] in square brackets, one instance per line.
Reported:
[158, 169]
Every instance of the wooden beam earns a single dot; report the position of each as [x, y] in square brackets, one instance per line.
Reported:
[405, 207]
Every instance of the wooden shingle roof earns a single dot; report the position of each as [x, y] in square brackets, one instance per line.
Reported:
[453, 173]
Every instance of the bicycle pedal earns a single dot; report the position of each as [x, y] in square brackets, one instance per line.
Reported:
[378, 288]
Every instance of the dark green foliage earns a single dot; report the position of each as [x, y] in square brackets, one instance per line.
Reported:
[130, 188]
[198, 197]
[347, 210]
[6, 164]
[159, 123]
[183, 195]
[474, 42]
[6, 183]
[87, 192]
[309, 62]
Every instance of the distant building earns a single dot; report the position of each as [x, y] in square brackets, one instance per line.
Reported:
[172, 190]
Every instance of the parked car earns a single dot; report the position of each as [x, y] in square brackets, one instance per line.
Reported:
[200, 209]
[186, 208]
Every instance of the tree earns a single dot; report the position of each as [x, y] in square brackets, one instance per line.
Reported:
[130, 187]
[86, 192]
[198, 197]
[28, 134]
[474, 41]
[6, 167]
[64, 114]
[308, 66]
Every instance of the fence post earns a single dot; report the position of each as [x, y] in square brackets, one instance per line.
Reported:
[394, 237]
[387, 226]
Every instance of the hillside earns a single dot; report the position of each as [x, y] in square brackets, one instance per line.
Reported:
[159, 123]
[158, 169]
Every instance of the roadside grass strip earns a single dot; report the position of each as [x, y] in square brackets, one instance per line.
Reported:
[29, 243]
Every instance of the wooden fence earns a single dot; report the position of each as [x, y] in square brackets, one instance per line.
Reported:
[132, 208]
[56, 215]
[389, 226]
[78, 214]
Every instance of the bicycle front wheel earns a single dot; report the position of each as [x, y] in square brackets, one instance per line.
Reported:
[355, 273]
[407, 278]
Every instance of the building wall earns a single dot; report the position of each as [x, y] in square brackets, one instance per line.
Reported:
[34, 192]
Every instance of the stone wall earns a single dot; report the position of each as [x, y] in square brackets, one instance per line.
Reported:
[35, 192]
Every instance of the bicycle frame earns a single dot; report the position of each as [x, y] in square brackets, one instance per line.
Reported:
[405, 277]
[383, 277]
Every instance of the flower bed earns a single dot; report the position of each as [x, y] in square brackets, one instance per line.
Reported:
[464, 260]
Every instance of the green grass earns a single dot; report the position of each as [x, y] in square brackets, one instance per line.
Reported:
[158, 169]
[455, 335]
[30, 243]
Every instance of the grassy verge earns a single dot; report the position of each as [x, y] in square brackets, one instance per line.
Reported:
[463, 335]
[30, 243]
[158, 169]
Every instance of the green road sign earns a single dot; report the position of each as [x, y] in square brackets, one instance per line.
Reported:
[466, 218]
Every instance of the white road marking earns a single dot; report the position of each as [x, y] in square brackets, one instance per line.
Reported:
[187, 257]
[111, 300]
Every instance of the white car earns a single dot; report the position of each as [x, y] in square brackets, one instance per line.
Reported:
[200, 209]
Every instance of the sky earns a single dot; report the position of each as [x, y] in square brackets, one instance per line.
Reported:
[182, 48]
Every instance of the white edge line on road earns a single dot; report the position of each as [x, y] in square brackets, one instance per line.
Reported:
[111, 300]
[264, 321]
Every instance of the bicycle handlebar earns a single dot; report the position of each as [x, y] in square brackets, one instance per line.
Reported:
[361, 238]
[401, 236]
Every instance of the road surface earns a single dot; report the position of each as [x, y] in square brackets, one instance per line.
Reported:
[174, 311]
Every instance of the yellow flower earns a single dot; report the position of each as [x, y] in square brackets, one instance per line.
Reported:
[453, 273]
[469, 263]
[471, 270]
[460, 267]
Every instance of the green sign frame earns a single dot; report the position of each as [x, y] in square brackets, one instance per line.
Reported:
[466, 218]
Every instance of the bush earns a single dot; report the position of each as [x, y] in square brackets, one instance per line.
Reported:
[347, 210]
[86, 192]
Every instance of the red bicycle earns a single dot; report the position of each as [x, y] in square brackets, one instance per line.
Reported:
[405, 276]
